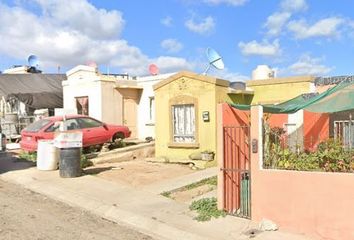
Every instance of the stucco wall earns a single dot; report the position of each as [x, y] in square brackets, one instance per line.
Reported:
[307, 202]
[318, 204]
[205, 94]
[79, 88]
[105, 102]
[279, 89]
[111, 103]
[146, 125]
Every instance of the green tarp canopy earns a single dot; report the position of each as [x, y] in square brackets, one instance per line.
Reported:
[336, 99]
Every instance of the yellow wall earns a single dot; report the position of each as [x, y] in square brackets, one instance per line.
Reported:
[206, 94]
[279, 89]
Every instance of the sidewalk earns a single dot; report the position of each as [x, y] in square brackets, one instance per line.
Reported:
[145, 211]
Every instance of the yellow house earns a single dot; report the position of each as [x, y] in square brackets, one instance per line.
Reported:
[186, 114]
[277, 90]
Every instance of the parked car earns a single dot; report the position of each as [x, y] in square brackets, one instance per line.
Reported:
[94, 132]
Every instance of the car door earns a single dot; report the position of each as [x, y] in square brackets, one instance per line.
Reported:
[93, 131]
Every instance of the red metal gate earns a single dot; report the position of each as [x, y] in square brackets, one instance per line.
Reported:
[236, 171]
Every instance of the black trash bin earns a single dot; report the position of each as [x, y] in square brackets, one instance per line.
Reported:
[69, 162]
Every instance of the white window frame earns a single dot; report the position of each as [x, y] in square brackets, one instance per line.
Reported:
[184, 137]
[151, 110]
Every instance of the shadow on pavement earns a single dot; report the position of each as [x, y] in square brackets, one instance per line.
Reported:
[9, 162]
[94, 171]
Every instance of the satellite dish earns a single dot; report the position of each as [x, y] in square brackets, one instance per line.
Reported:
[33, 61]
[214, 59]
[153, 69]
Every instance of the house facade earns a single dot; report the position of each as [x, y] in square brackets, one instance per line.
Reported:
[277, 90]
[186, 114]
[117, 99]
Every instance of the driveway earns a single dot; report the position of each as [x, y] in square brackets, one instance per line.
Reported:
[139, 173]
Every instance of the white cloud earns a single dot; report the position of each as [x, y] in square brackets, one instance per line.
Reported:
[230, 76]
[204, 26]
[228, 2]
[167, 21]
[173, 64]
[56, 37]
[294, 5]
[278, 20]
[171, 45]
[82, 16]
[327, 27]
[306, 65]
[262, 49]
[275, 22]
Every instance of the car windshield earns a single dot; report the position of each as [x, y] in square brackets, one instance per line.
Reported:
[36, 126]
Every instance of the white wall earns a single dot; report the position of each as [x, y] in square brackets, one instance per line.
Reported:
[146, 126]
[296, 130]
[83, 81]
[105, 102]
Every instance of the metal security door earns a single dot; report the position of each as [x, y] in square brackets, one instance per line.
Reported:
[236, 173]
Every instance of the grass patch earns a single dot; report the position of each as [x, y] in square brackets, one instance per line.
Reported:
[206, 209]
[85, 162]
[167, 194]
[208, 181]
[28, 156]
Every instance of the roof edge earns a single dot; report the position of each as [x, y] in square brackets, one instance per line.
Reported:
[283, 80]
[203, 78]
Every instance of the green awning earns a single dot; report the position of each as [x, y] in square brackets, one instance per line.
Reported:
[336, 99]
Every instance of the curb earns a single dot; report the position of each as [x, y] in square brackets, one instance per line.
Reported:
[148, 225]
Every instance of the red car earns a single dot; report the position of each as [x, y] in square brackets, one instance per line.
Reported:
[94, 132]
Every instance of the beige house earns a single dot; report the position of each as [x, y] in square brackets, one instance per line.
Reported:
[117, 99]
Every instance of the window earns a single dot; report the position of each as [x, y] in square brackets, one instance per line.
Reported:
[183, 119]
[82, 105]
[152, 109]
[53, 128]
[36, 126]
[71, 124]
[344, 132]
[89, 123]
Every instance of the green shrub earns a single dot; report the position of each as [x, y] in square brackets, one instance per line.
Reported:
[28, 156]
[330, 156]
[206, 209]
[84, 161]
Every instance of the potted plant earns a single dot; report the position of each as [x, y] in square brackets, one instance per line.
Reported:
[207, 155]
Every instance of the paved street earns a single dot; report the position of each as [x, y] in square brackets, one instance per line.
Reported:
[28, 215]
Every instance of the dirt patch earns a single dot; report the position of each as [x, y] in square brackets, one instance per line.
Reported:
[138, 173]
[28, 215]
[190, 194]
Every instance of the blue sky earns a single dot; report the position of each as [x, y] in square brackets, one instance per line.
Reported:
[295, 37]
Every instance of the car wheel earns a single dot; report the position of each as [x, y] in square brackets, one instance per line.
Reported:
[118, 137]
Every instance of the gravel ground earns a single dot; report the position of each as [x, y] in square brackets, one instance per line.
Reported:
[28, 215]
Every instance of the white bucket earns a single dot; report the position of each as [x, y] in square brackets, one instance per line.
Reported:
[47, 155]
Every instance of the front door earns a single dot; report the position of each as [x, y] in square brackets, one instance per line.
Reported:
[129, 115]
[131, 98]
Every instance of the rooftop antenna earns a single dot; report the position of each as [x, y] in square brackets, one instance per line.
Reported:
[214, 59]
[153, 69]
